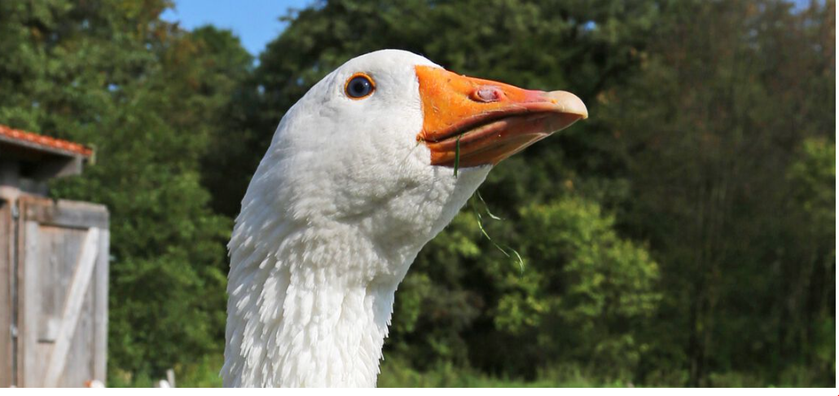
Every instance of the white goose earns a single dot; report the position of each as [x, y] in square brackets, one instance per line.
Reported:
[357, 179]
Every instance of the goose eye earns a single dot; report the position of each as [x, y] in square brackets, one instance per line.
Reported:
[359, 86]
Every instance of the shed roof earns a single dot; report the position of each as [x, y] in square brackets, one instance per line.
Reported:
[42, 143]
[38, 157]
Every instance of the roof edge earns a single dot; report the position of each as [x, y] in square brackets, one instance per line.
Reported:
[46, 143]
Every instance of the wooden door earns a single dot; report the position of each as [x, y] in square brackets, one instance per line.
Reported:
[62, 293]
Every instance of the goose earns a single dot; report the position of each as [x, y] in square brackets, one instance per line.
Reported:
[366, 168]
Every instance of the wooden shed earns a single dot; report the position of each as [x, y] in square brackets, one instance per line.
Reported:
[53, 268]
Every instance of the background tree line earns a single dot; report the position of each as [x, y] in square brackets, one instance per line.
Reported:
[683, 235]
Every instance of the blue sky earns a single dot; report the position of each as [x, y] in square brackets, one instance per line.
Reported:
[256, 22]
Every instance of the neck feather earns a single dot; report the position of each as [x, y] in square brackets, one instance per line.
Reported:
[311, 313]
[313, 271]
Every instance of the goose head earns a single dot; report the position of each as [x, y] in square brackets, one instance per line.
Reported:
[366, 168]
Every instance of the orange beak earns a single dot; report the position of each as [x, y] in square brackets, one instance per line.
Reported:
[483, 122]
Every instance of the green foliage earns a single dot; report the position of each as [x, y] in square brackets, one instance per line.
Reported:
[203, 374]
[813, 175]
[707, 130]
[606, 284]
[144, 94]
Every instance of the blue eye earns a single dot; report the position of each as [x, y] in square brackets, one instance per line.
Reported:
[359, 86]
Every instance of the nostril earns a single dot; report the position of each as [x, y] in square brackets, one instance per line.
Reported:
[487, 94]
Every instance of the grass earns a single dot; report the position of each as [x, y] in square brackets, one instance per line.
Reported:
[201, 374]
[395, 373]
[398, 373]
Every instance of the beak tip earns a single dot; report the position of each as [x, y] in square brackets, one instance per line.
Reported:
[568, 103]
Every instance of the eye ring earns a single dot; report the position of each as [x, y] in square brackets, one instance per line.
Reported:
[359, 86]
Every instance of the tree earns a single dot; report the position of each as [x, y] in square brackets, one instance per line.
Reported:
[146, 95]
[707, 130]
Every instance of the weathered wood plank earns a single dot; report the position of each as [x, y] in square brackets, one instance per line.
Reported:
[79, 363]
[100, 327]
[57, 251]
[72, 308]
[6, 273]
[29, 297]
[68, 214]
